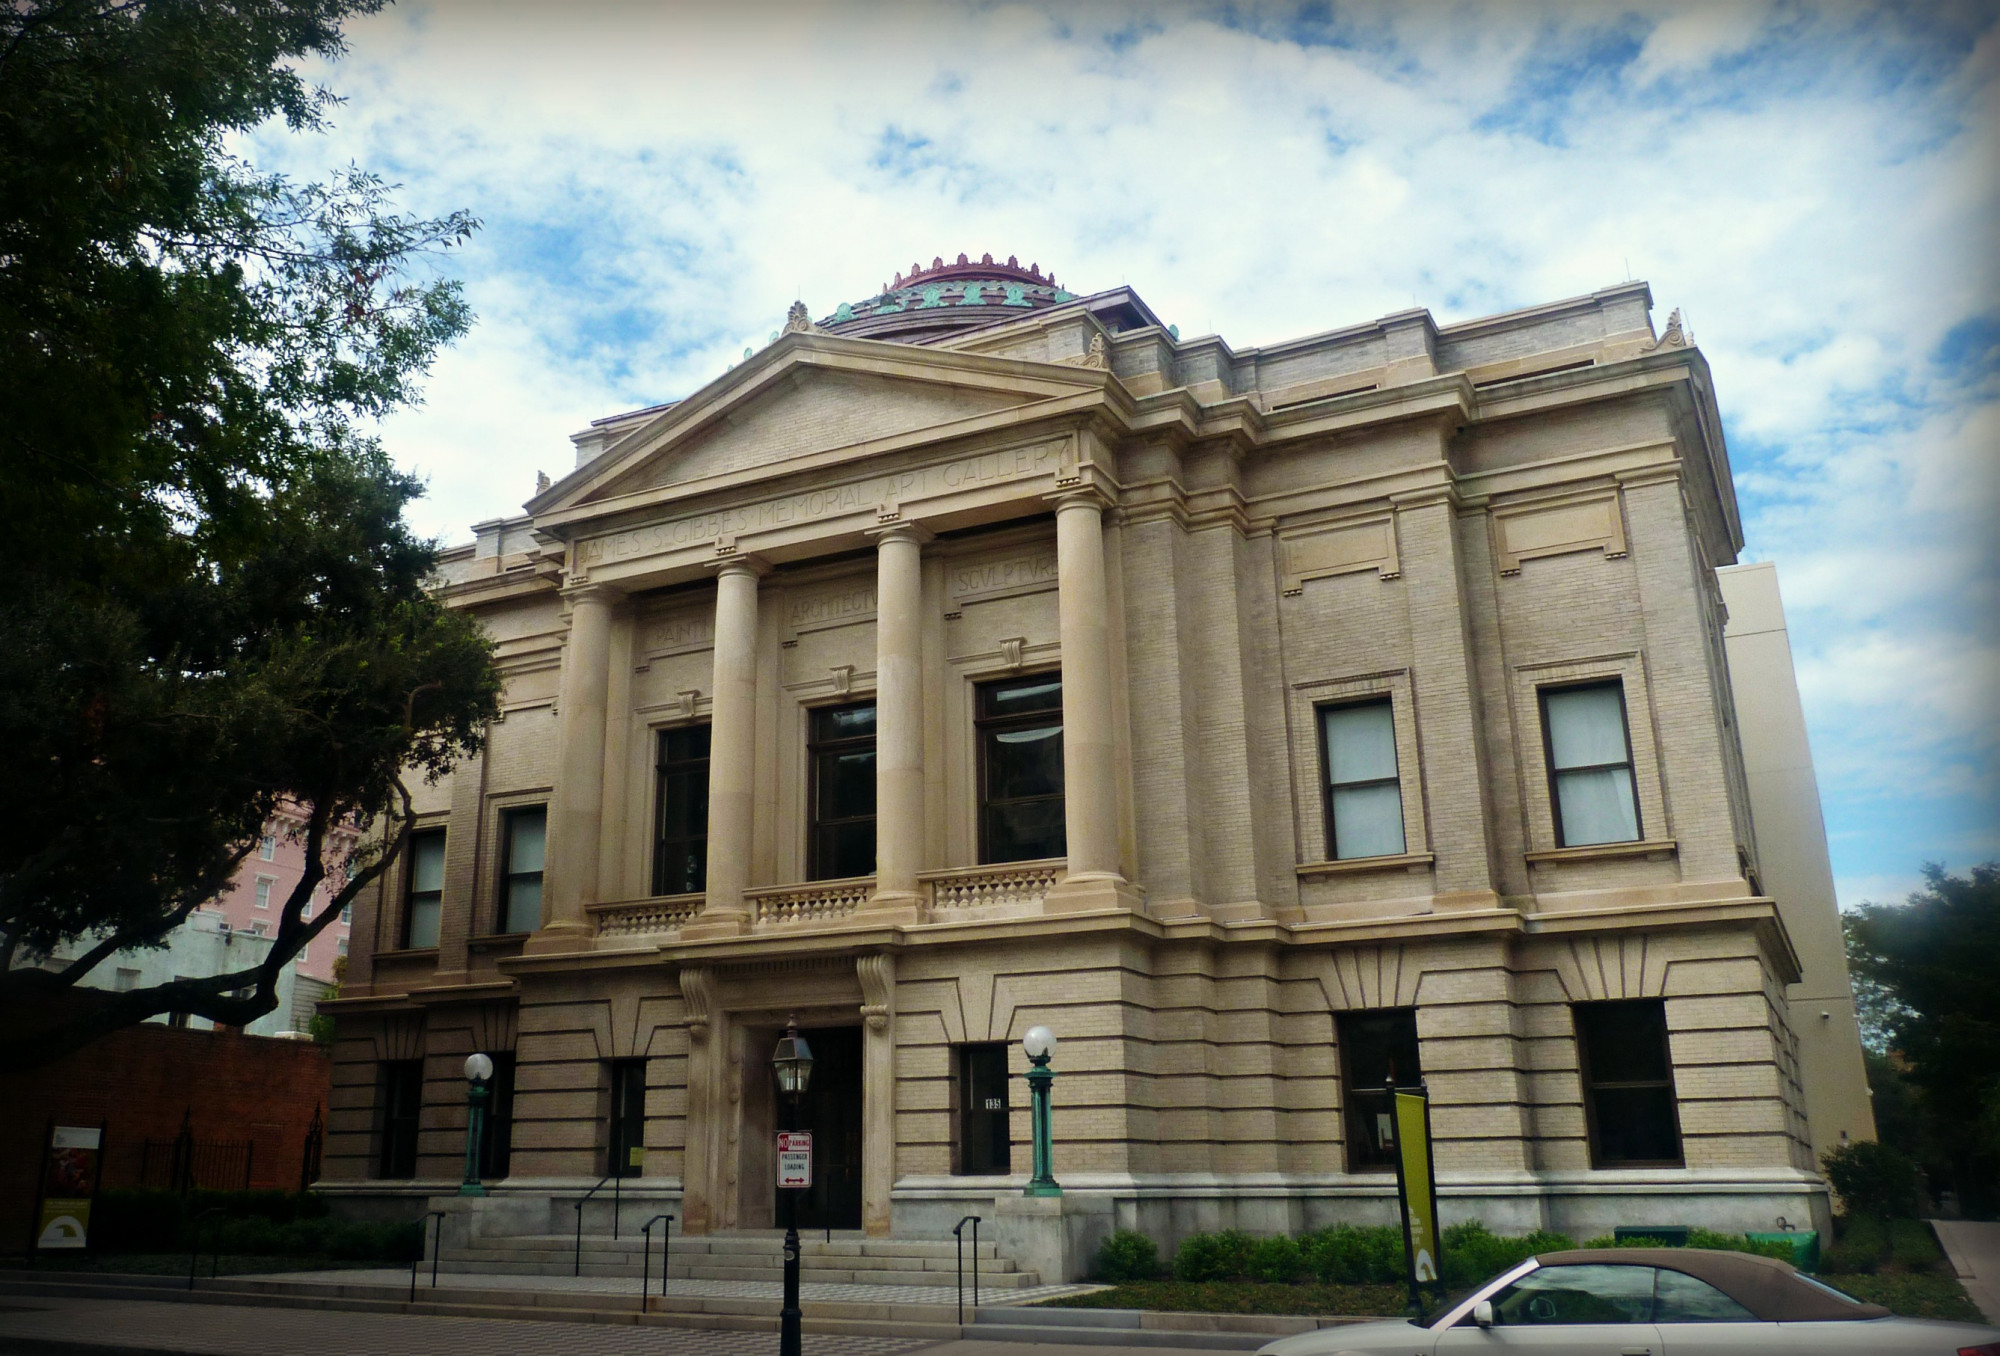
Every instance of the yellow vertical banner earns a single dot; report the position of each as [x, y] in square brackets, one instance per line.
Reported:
[1419, 1187]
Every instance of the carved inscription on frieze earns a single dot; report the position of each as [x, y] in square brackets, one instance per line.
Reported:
[676, 634]
[835, 608]
[1024, 573]
[899, 488]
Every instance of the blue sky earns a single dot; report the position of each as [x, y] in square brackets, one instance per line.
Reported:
[1814, 184]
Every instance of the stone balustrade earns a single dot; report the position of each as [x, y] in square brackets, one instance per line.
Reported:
[1007, 890]
[820, 901]
[639, 917]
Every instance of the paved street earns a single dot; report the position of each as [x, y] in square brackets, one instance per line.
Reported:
[1974, 1249]
[810, 1292]
[32, 1325]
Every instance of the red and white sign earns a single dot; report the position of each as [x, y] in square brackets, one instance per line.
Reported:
[795, 1160]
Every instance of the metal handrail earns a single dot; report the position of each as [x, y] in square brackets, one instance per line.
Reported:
[437, 1240]
[617, 1197]
[646, 1256]
[214, 1244]
[973, 1220]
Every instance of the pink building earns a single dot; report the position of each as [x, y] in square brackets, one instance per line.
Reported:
[255, 898]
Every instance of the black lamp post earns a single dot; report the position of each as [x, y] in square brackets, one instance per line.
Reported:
[792, 1065]
[478, 1086]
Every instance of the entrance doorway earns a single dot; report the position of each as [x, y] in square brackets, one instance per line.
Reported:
[831, 1109]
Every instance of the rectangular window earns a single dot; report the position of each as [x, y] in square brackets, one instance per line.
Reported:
[842, 752]
[264, 884]
[1628, 1084]
[1590, 764]
[302, 959]
[1364, 796]
[399, 1098]
[524, 835]
[126, 981]
[267, 847]
[1377, 1048]
[680, 829]
[340, 947]
[347, 913]
[627, 1140]
[984, 1148]
[496, 1137]
[423, 890]
[1020, 729]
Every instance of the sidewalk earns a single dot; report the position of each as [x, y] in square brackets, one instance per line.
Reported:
[34, 1326]
[1974, 1250]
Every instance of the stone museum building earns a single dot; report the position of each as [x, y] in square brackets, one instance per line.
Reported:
[1270, 724]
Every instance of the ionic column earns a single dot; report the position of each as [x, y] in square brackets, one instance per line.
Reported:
[576, 811]
[1090, 786]
[899, 720]
[732, 749]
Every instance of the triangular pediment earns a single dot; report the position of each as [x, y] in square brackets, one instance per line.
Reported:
[807, 395]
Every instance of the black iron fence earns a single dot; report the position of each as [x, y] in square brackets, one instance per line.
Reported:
[184, 1163]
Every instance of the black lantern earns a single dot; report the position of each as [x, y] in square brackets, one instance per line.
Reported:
[792, 1062]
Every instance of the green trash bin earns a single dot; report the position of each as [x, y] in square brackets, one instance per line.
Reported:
[1660, 1235]
[1804, 1242]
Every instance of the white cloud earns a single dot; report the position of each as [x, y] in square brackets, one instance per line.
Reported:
[1814, 183]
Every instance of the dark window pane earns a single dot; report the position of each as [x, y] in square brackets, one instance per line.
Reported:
[400, 1095]
[1626, 1042]
[626, 1156]
[526, 844]
[497, 1136]
[680, 840]
[1025, 762]
[845, 850]
[844, 722]
[983, 1130]
[847, 784]
[1040, 693]
[1025, 831]
[1680, 1298]
[1021, 813]
[1376, 1048]
[1627, 1074]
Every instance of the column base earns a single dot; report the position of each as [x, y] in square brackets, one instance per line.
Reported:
[892, 906]
[708, 926]
[1090, 890]
[562, 935]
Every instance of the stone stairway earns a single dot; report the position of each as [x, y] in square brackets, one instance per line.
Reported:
[849, 1259]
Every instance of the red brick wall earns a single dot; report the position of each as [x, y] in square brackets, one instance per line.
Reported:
[141, 1081]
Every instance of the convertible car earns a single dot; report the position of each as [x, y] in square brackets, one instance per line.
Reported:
[1651, 1302]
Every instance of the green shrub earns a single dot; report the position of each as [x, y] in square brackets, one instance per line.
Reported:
[252, 1223]
[1862, 1246]
[1213, 1257]
[1872, 1178]
[1473, 1253]
[1127, 1256]
[1913, 1246]
[1275, 1259]
[1721, 1242]
[1349, 1255]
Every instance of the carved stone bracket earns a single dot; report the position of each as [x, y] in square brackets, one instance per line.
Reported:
[877, 973]
[698, 993]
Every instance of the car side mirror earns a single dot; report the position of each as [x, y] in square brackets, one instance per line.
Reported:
[1482, 1313]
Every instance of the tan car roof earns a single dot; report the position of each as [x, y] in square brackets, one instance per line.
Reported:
[1768, 1288]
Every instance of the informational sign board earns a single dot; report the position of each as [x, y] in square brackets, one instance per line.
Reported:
[1416, 1184]
[69, 1185]
[795, 1159]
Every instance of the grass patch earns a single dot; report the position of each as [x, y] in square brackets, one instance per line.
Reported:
[1242, 1297]
[176, 1264]
[1912, 1294]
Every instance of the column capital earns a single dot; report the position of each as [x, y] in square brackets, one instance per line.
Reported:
[586, 592]
[748, 563]
[910, 532]
[1086, 495]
